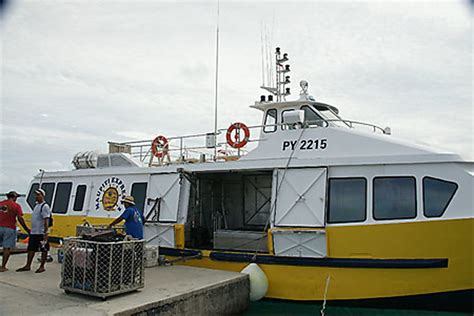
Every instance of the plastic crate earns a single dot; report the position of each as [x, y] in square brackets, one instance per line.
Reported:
[102, 269]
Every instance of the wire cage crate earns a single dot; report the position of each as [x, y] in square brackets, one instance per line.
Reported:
[90, 229]
[102, 269]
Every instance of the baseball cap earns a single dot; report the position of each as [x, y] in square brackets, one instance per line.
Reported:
[40, 191]
[12, 194]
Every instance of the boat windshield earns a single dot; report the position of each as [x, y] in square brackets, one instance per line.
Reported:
[332, 117]
[312, 118]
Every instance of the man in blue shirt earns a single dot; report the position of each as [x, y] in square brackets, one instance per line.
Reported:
[134, 219]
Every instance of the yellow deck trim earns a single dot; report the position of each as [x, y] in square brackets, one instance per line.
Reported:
[179, 236]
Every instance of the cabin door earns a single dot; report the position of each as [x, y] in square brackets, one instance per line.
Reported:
[166, 206]
[300, 197]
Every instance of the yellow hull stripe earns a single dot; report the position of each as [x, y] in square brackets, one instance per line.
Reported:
[450, 239]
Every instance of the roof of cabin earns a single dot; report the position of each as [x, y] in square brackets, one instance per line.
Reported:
[263, 106]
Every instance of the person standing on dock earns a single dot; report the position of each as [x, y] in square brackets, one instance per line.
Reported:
[133, 218]
[38, 238]
[10, 212]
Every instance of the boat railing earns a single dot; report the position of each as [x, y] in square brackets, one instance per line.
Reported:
[355, 124]
[196, 148]
[184, 149]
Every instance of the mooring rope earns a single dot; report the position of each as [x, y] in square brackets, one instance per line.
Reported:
[325, 295]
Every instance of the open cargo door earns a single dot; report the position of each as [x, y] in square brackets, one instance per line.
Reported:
[167, 204]
[300, 197]
[168, 196]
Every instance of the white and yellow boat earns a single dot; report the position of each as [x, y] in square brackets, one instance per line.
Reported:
[328, 208]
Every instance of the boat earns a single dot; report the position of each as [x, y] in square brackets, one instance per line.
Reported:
[330, 209]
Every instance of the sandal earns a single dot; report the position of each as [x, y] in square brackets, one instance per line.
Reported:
[23, 269]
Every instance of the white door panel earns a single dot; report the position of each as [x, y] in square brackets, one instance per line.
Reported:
[300, 243]
[167, 188]
[300, 197]
[161, 235]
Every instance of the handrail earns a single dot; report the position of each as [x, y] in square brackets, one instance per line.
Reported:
[308, 124]
[137, 147]
[350, 122]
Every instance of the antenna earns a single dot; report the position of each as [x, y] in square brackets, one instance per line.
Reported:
[217, 81]
[261, 51]
[281, 77]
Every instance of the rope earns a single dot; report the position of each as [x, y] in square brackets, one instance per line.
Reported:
[325, 295]
[184, 258]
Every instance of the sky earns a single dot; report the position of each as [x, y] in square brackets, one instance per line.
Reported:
[76, 74]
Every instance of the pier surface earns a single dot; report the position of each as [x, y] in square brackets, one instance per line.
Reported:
[171, 290]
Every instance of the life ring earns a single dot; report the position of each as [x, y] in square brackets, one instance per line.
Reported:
[238, 142]
[159, 146]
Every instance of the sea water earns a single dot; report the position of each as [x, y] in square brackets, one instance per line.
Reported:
[274, 307]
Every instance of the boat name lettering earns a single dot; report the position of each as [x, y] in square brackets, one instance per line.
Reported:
[305, 144]
[110, 192]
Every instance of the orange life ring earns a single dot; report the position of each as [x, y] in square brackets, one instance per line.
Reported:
[238, 142]
[159, 146]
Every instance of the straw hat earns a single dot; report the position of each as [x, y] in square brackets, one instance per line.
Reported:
[129, 199]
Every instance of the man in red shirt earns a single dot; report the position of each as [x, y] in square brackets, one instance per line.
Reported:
[10, 211]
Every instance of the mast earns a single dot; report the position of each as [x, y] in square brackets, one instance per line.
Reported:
[217, 81]
[280, 91]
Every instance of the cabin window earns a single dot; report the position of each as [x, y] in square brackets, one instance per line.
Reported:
[61, 199]
[283, 125]
[47, 187]
[79, 199]
[139, 194]
[394, 198]
[312, 118]
[332, 118]
[31, 195]
[347, 200]
[270, 121]
[437, 194]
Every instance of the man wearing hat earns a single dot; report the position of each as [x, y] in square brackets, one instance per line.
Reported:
[10, 211]
[38, 238]
[133, 218]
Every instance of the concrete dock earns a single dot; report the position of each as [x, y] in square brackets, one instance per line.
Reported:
[171, 290]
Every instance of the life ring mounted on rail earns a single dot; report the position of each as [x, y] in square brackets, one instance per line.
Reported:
[238, 141]
[159, 146]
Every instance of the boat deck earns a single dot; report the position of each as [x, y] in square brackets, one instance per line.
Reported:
[168, 290]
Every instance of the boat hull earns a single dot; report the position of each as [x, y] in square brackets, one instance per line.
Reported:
[414, 262]
[374, 287]
[423, 264]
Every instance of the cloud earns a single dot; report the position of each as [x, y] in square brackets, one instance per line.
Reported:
[78, 74]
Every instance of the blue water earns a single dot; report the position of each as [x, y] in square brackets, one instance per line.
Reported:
[272, 307]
